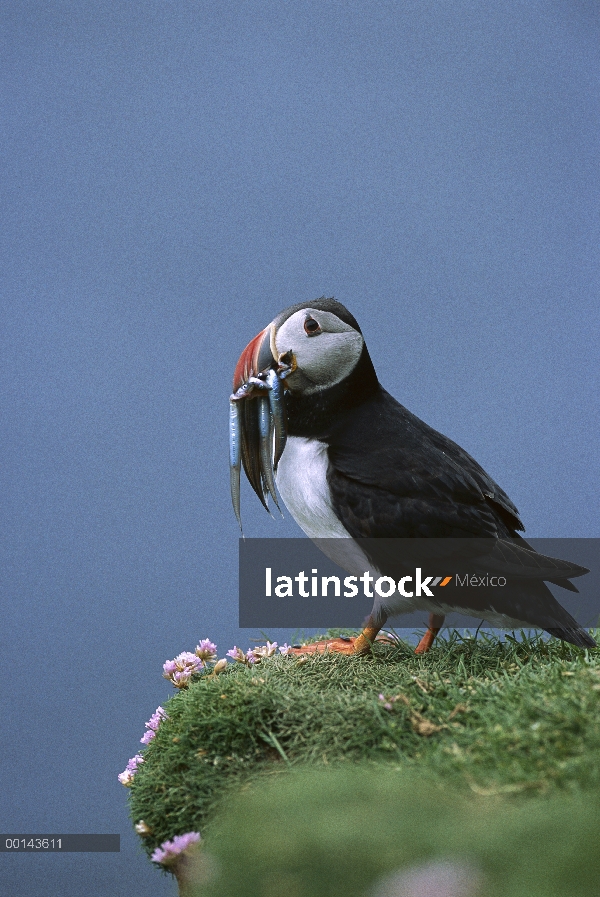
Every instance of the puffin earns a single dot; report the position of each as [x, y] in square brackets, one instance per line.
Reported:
[372, 484]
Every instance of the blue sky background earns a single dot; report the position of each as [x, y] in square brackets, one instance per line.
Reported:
[174, 174]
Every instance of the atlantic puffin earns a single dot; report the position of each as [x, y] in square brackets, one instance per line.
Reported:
[309, 418]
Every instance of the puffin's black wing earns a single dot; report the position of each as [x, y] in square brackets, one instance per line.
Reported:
[391, 475]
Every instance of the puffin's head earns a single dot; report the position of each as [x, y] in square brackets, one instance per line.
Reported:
[311, 355]
[314, 344]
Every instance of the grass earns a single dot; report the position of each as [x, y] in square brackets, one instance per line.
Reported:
[488, 719]
[336, 833]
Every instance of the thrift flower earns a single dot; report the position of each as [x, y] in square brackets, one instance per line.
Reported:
[169, 851]
[156, 719]
[442, 878]
[206, 651]
[386, 704]
[135, 762]
[187, 660]
[238, 655]
[152, 725]
[264, 650]
[180, 670]
[126, 777]
[181, 679]
[285, 648]
[142, 828]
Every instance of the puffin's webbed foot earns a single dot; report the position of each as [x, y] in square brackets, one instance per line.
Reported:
[356, 647]
[436, 621]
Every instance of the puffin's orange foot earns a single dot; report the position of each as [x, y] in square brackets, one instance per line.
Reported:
[350, 646]
[427, 641]
[335, 645]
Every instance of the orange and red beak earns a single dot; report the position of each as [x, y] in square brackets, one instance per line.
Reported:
[256, 358]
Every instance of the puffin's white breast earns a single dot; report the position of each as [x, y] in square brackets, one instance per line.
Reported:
[302, 482]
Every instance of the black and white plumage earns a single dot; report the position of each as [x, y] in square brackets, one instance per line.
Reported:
[358, 465]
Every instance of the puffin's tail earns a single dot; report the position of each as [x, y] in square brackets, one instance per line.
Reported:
[576, 635]
[532, 601]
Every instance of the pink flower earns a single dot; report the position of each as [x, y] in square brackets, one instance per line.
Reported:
[181, 670]
[135, 762]
[285, 648]
[206, 650]
[442, 878]
[238, 655]
[186, 660]
[181, 679]
[152, 725]
[126, 777]
[169, 851]
[386, 704]
[156, 719]
[169, 666]
[264, 650]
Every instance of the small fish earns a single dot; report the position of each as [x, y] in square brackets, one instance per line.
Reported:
[260, 381]
[235, 455]
[266, 442]
[276, 402]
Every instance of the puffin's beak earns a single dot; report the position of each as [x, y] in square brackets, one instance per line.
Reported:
[255, 358]
[257, 423]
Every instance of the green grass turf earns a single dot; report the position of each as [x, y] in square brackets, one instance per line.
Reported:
[505, 719]
[338, 832]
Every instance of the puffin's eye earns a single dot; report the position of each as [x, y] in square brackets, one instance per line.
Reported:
[311, 327]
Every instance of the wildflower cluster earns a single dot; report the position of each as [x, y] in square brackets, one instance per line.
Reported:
[152, 725]
[126, 777]
[179, 671]
[182, 668]
[206, 651]
[169, 851]
[238, 655]
[255, 655]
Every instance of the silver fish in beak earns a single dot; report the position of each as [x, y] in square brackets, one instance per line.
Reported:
[257, 420]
